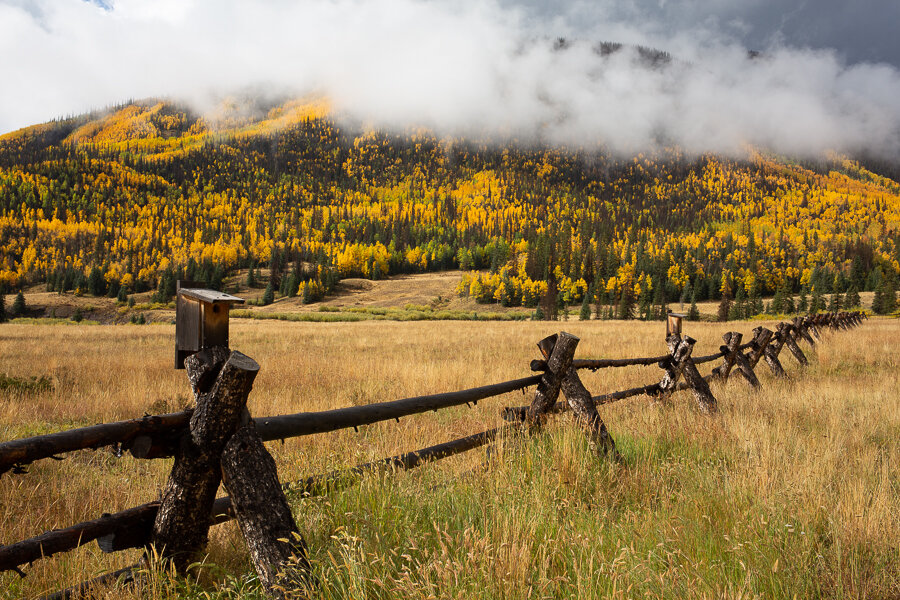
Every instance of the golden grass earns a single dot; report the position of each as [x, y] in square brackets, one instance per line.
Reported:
[790, 490]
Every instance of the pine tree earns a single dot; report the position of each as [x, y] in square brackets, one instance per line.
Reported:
[694, 312]
[802, 303]
[724, 307]
[778, 302]
[268, 295]
[291, 285]
[18, 306]
[836, 302]
[738, 310]
[585, 314]
[816, 302]
[2, 308]
[122, 296]
[96, 285]
[851, 299]
[625, 310]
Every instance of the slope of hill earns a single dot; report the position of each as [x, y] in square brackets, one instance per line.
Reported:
[149, 191]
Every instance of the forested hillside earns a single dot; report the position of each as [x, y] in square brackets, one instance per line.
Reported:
[142, 194]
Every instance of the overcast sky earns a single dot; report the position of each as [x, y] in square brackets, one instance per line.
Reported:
[828, 77]
[859, 30]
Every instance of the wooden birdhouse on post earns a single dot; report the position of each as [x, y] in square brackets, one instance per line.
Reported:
[201, 319]
[673, 323]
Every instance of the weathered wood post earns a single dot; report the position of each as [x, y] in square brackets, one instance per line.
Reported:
[221, 381]
[762, 337]
[277, 549]
[792, 343]
[771, 354]
[673, 367]
[699, 387]
[559, 351]
[730, 349]
[800, 328]
[679, 363]
[559, 358]
[222, 445]
[747, 363]
[810, 324]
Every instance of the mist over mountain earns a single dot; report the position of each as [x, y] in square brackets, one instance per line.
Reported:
[475, 69]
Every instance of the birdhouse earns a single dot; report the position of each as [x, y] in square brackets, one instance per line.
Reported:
[201, 319]
[673, 323]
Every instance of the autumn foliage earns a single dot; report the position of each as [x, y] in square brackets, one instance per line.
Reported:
[140, 195]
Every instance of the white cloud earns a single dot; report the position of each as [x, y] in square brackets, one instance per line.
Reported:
[459, 66]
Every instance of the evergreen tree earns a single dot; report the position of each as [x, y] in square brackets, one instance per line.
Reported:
[754, 302]
[251, 278]
[778, 302]
[645, 306]
[659, 304]
[96, 285]
[789, 306]
[835, 304]
[851, 299]
[885, 301]
[538, 314]
[291, 285]
[738, 310]
[585, 314]
[625, 310]
[694, 312]
[802, 303]
[2, 308]
[18, 306]
[166, 288]
[122, 296]
[268, 295]
[724, 306]
[816, 302]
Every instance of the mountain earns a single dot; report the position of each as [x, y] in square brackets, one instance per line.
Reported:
[143, 193]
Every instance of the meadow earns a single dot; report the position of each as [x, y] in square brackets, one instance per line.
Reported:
[790, 491]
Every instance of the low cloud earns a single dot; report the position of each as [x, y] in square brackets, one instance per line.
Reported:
[461, 67]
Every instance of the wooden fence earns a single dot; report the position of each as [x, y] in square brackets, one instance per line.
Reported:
[218, 441]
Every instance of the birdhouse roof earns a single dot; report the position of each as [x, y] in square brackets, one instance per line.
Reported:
[209, 296]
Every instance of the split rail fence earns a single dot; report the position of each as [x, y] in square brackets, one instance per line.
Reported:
[218, 442]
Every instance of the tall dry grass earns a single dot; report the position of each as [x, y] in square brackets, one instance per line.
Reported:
[790, 491]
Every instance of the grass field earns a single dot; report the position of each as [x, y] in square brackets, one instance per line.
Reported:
[792, 491]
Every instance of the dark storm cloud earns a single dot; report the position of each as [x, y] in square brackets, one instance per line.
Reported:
[858, 30]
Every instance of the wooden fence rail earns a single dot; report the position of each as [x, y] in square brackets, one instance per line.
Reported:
[219, 439]
[157, 436]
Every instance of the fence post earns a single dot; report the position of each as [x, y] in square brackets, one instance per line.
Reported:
[810, 324]
[558, 354]
[276, 547]
[771, 354]
[679, 363]
[787, 328]
[558, 350]
[744, 364]
[673, 365]
[699, 387]
[732, 340]
[800, 328]
[221, 382]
